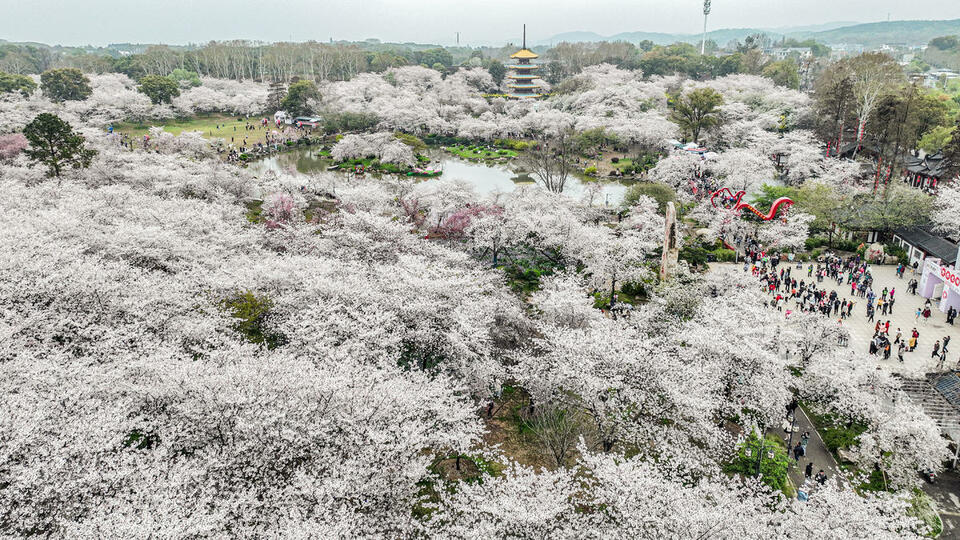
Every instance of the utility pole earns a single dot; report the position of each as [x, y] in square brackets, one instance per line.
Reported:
[458, 39]
[706, 11]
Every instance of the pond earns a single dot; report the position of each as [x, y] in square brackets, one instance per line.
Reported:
[485, 178]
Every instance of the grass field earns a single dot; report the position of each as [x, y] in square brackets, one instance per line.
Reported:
[480, 152]
[207, 124]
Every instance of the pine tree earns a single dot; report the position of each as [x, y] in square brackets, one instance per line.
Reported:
[278, 90]
[54, 144]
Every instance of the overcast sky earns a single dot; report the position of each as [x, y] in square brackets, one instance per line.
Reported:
[98, 22]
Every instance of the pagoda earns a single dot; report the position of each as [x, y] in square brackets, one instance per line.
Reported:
[523, 72]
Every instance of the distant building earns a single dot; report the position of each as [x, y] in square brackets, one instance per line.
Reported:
[523, 72]
[843, 50]
[934, 77]
[782, 53]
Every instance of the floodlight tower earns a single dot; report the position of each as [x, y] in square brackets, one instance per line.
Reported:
[706, 11]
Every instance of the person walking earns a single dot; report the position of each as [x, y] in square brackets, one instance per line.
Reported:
[899, 335]
[900, 352]
[821, 477]
[808, 472]
[926, 315]
[919, 313]
[936, 349]
[886, 328]
[797, 452]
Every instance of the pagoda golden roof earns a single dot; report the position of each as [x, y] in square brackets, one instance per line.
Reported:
[524, 53]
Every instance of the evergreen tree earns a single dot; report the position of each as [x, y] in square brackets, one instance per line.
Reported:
[66, 84]
[497, 71]
[54, 144]
[278, 90]
[298, 97]
[10, 82]
[159, 89]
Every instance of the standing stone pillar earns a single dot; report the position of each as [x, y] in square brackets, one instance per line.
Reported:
[671, 253]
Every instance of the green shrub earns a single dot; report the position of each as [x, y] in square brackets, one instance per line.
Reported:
[590, 171]
[846, 245]
[837, 433]
[412, 141]
[512, 144]
[724, 255]
[896, 251]
[694, 255]
[636, 289]
[773, 469]
[254, 209]
[661, 193]
[813, 242]
[523, 275]
[252, 315]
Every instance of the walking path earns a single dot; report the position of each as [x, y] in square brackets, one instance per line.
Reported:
[817, 453]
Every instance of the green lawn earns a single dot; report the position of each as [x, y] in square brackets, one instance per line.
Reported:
[207, 124]
[480, 152]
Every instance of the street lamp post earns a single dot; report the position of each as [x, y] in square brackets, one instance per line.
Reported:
[763, 444]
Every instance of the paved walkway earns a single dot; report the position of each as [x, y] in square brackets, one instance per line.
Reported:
[817, 453]
[946, 492]
[919, 362]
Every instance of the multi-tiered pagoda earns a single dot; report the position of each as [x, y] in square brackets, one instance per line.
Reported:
[523, 72]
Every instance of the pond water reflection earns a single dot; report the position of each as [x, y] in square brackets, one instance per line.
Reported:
[485, 178]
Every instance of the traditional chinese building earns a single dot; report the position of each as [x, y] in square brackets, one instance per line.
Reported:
[523, 72]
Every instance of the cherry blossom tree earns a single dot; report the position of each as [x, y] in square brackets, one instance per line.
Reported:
[11, 145]
[383, 146]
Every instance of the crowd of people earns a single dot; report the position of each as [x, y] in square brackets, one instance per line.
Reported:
[814, 289]
[272, 141]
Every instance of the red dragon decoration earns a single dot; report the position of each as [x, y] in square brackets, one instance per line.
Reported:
[738, 204]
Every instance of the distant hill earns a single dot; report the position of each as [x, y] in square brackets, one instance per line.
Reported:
[574, 37]
[867, 34]
[812, 27]
[873, 34]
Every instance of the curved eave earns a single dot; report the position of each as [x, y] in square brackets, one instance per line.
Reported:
[524, 66]
[523, 96]
[525, 54]
[524, 86]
